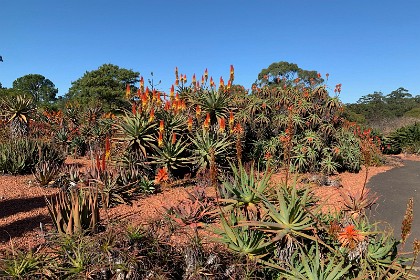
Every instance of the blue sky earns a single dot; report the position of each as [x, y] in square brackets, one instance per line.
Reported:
[367, 45]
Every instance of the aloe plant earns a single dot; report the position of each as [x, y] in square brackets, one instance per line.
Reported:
[137, 132]
[245, 189]
[311, 265]
[18, 110]
[205, 142]
[76, 212]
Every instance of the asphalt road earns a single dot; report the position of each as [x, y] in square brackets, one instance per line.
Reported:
[394, 188]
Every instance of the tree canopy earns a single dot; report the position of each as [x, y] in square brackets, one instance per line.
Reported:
[377, 106]
[40, 88]
[105, 86]
[282, 72]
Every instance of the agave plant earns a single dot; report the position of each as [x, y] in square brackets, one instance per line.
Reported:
[18, 110]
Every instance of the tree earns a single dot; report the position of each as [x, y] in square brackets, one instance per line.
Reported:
[105, 86]
[279, 73]
[40, 88]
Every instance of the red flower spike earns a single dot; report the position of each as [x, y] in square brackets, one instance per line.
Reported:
[185, 78]
[177, 97]
[173, 138]
[222, 82]
[202, 80]
[133, 108]
[194, 80]
[319, 75]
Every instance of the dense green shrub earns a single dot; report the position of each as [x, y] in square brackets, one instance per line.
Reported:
[21, 156]
[405, 139]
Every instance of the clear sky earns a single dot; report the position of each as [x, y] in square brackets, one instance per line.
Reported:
[367, 45]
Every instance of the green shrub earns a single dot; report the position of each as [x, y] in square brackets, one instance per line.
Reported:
[21, 156]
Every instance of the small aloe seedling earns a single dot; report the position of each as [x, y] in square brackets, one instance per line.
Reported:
[195, 211]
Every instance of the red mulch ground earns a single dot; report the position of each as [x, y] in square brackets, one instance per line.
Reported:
[23, 208]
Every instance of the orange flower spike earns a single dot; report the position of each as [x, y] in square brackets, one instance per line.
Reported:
[222, 82]
[194, 80]
[171, 94]
[206, 124]
[202, 80]
[176, 74]
[161, 126]
[198, 111]
[133, 108]
[160, 139]
[231, 119]
[350, 236]
[222, 124]
[185, 78]
[141, 84]
[177, 97]
[211, 82]
[206, 75]
[177, 81]
[190, 123]
[144, 99]
[161, 176]
[183, 105]
[152, 115]
[103, 164]
[229, 84]
[139, 93]
[167, 106]
[107, 148]
[232, 73]
[127, 91]
[173, 138]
